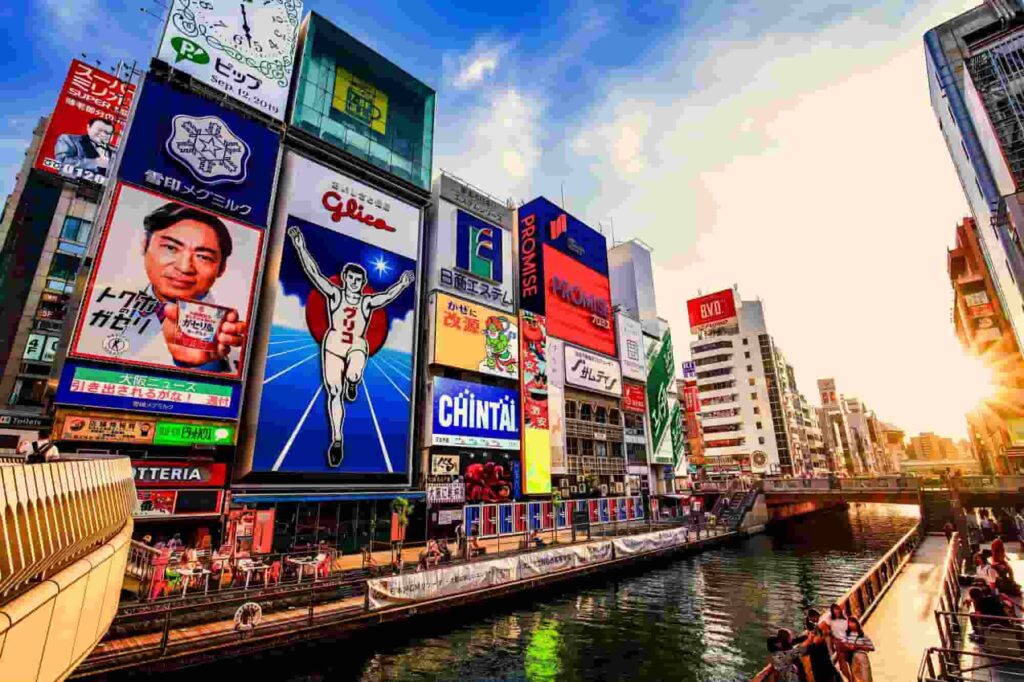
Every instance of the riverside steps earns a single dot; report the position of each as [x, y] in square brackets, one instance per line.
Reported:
[176, 635]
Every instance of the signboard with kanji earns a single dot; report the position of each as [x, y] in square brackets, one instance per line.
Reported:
[470, 336]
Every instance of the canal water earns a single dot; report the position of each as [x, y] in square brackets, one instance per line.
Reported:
[703, 617]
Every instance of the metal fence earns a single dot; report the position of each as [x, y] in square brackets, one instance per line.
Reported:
[518, 518]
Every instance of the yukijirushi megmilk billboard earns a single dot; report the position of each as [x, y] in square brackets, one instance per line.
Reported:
[334, 393]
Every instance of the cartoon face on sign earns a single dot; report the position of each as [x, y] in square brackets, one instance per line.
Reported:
[498, 339]
[535, 380]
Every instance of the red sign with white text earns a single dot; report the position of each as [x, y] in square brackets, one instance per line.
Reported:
[578, 303]
[634, 397]
[691, 398]
[150, 473]
[86, 124]
[714, 310]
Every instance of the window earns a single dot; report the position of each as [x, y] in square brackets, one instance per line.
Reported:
[721, 371]
[586, 412]
[759, 425]
[614, 417]
[572, 446]
[753, 396]
[28, 391]
[752, 381]
[586, 447]
[966, 153]
[760, 440]
[746, 354]
[745, 342]
[750, 368]
[600, 448]
[1010, 271]
[76, 230]
[757, 410]
[570, 409]
[711, 346]
[600, 415]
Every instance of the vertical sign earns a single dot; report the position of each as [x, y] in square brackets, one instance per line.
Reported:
[536, 439]
[659, 378]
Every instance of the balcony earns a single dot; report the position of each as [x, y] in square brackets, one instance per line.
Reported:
[65, 537]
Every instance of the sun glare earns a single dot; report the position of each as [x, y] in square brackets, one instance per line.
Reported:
[971, 384]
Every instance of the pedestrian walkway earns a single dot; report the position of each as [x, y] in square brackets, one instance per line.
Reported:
[903, 625]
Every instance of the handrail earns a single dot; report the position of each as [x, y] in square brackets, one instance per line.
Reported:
[932, 668]
[56, 512]
[865, 595]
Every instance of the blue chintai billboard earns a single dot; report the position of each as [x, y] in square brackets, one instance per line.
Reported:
[473, 415]
[331, 392]
[196, 151]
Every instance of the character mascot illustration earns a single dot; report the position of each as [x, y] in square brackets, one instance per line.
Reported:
[498, 346]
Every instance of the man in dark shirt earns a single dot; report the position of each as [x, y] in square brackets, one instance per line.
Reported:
[90, 152]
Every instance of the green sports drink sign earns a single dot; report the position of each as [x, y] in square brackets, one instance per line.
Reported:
[179, 433]
[660, 372]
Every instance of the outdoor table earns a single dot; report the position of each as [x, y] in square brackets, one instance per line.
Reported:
[302, 563]
[250, 569]
[188, 573]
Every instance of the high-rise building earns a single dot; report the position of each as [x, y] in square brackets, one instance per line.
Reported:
[747, 404]
[975, 67]
[928, 446]
[631, 274]
[984, 331]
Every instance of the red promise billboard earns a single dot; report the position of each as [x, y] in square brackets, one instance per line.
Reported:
[86, 124]
[714, 310]
[578, 303]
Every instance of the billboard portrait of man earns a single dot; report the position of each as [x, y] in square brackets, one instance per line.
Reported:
[172, 288]
[90, 151]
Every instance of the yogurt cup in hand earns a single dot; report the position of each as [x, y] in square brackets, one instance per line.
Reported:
[198, 324]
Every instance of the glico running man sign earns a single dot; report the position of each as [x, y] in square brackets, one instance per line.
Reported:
[334, 392]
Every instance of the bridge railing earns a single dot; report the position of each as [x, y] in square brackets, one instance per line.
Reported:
[862, 599]
[971, 666]
[860, 484]
[56, 512]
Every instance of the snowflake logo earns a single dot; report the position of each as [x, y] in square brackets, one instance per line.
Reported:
[208, 148]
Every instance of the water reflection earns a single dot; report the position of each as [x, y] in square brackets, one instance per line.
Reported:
[703, 617]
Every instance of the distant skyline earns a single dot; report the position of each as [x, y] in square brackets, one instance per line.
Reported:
[788, 148]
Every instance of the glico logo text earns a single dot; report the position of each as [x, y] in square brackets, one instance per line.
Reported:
[339, 208]
[572, 293]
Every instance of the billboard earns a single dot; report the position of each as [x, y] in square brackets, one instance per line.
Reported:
[199, 152]
[543, 222]
[630, 336]
[490, 476]
[472, 337]
[712, 311]
[172, 288]
[578, 303]
[85, 126]
[660, 374]
[472, 258]
[1016, 432]
[592, 372]
[634, 397]
[150, 473]
[40, 347]
[689, 369]
[334, 394]
[474, 415]
[88, 386]
[827, 391]
[536, 457]
[244, 49]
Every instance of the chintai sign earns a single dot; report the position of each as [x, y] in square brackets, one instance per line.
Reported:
[475, 415]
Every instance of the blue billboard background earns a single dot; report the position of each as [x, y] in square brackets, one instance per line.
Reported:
[65, 396]
[197, 151]
[293, 433]
[453, 389]
[578, 241]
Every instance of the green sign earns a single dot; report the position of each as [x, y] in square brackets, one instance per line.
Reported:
[177, 433]
[677, 434]
[660, 372]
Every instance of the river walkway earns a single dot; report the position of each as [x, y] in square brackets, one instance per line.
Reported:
[903, 624]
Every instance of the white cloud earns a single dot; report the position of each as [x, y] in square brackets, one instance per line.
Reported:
[71, 19]
[400, 333]
[290, 311]
[472, 69]
[810, 170]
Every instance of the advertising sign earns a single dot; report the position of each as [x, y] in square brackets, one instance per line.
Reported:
[556, 421]
[447, 492]
[335, 393]
[489, 476]
[579, 303]
[1016, 429]
[444, 465]
[630, 337]
[470, 336]
[40, 347]
[85, 126]
[548, 224]
[712, 311]
[689, 369]
[199, 152]
[660, 365]
[472, 258]
[155, 503]
[592, 372]
[556, 364]
[360, 100]
[179, 433]
[178, 474]
[475, 415]
[178, 503]
[244, 49]
[172, 288]
[676, 429]
[13, 420]
[85, 427]
[536, 457]
[827, 391]
[691, 397]
[634, 398]
[106, 388]
[466, 197]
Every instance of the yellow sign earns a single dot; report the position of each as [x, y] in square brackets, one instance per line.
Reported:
[88, 427]
[360, 100]
[474, 337]
[536, 462]
[1016, 427]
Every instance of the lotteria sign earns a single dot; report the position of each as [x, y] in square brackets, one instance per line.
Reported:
[475, 415]
[180, 474]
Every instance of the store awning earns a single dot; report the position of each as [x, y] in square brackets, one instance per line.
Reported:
[266, 498]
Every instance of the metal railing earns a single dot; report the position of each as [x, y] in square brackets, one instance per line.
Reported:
[970, 666]
[871, 484]
[518, 518]
[865, 595]
[56, 512]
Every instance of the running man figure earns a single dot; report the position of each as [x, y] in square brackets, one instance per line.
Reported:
[344, 349]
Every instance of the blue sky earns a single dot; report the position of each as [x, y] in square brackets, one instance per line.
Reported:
[787, 147]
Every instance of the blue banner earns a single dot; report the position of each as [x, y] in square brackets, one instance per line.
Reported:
[475, 415]
[195, 150]
[112, 388]
[562, 231]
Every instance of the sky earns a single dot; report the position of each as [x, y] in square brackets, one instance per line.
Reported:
[787, 148]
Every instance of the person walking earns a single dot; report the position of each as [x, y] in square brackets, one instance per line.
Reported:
[857, 645]
[40, 450]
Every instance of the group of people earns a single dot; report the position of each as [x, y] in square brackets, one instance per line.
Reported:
[808, 657]
[437, 552]
[995, 593]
